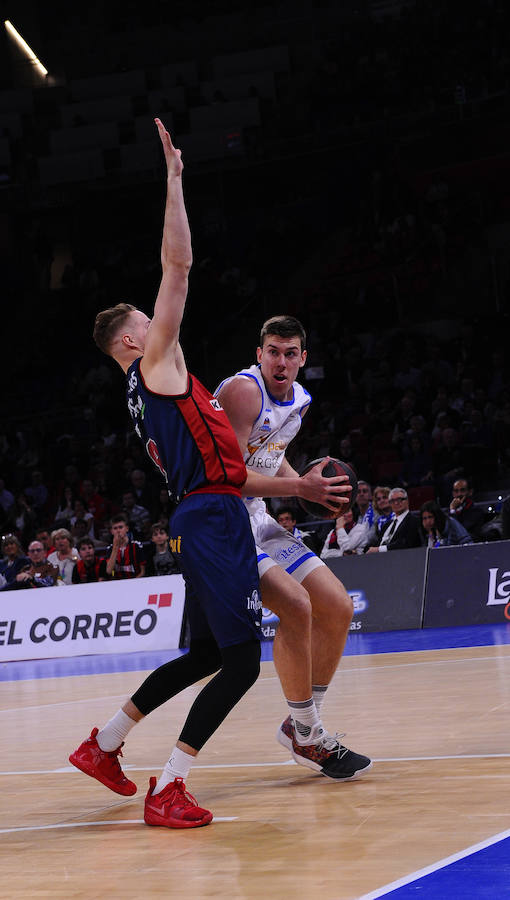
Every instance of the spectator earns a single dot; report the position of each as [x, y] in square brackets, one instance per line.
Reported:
[88, 568]
[66, 506]
[402, 532]
[43, 535]
[14, 560]
[38, 572]
[463, 509]
[160, 560]
[125, 558]
[37, 493]
[64, 556]
[417, 466]
[349, 536]
[164, 506]
[383, 513]
[286, 517]
[364, 503]
[95, 503]
[22, 518]
[80, 511]
[438, 530]
[6, 499]
[135, 513]
[143, 496]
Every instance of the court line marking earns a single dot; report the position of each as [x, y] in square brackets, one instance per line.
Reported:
[341, 673]
[86, 824]
[440, 864]
[64, 770]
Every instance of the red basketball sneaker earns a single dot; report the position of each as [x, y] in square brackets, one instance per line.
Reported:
[174, 807]
[102, 765]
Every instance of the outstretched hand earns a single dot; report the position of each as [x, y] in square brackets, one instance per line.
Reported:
[173, 159]
[330, 492]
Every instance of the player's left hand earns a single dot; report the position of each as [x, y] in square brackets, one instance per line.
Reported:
[174, 164]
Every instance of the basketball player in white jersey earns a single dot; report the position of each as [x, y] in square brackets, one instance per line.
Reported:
[265, 405]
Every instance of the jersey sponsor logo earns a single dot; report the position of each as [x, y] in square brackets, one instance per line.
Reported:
[216, 404]
[133, 381]
[152, 450]
[275, 445]
[136, 407]
[268, 463]
[266, 425]
[290, 551]
[254, 602]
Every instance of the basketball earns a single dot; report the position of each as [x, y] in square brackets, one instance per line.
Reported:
[331, 468]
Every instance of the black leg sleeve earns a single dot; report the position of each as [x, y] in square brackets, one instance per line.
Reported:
[239, 671]
[203, 659]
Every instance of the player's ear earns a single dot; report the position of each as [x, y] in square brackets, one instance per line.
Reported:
[303, 359]
[259, 354]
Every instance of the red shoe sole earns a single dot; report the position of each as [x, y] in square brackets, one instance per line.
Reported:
[154, 819]
[127, 791]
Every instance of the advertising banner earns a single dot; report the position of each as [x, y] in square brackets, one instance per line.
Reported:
[386, 588]
[108, 617]
[468, 585]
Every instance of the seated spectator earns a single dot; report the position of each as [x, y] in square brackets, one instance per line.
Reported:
[64, 556]
[383, 513]
[43, 535]
[143, 496]
[22, 518]
[6, 500]
[160, 560]
[463, 509]
[402, 532]
[438, 530]
[286, 517]
[38, 572]
[164, 506]
[364, 503]
[349, 536]
[14, 560]
[135, 513]
[66, 505]
[95, 503]
[125, 558]
[79, 530]
[37, 493]
[417, 466]
[80, 511]
[88, 568]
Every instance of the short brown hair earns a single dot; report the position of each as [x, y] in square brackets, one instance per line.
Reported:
[285, 327]
[108, 323]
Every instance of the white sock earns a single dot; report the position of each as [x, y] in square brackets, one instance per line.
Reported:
[178, 766]
[318, 693]
[307, 723]
[113, 733]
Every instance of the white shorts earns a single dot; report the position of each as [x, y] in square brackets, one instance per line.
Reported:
[276, 547]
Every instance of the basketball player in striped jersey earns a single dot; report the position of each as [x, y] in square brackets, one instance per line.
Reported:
[189, 439]
[266, 405]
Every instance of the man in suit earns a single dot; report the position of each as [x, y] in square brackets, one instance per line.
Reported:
[402, 532]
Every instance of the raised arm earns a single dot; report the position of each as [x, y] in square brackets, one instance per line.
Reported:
[163, 362]
[240, 398]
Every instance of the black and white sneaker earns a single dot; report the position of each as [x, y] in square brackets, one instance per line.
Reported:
[327, 756]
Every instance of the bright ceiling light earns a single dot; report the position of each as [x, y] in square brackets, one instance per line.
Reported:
[22, 44]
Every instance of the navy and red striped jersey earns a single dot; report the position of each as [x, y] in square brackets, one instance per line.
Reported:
[187, 436]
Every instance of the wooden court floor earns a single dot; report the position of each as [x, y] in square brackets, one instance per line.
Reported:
[436, 723]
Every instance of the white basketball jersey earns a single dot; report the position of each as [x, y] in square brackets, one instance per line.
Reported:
[272, 431]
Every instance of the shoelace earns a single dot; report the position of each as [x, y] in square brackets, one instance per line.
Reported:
[180, 792]
[331, 743]
[112, 757]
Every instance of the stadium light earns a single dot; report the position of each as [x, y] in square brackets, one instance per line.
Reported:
[22, 44]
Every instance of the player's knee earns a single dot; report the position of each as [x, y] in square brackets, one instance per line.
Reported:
[294, 608]
[342, 602]
[206, 654]
[241, 663]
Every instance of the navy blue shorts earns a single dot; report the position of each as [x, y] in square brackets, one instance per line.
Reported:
[216, 552]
